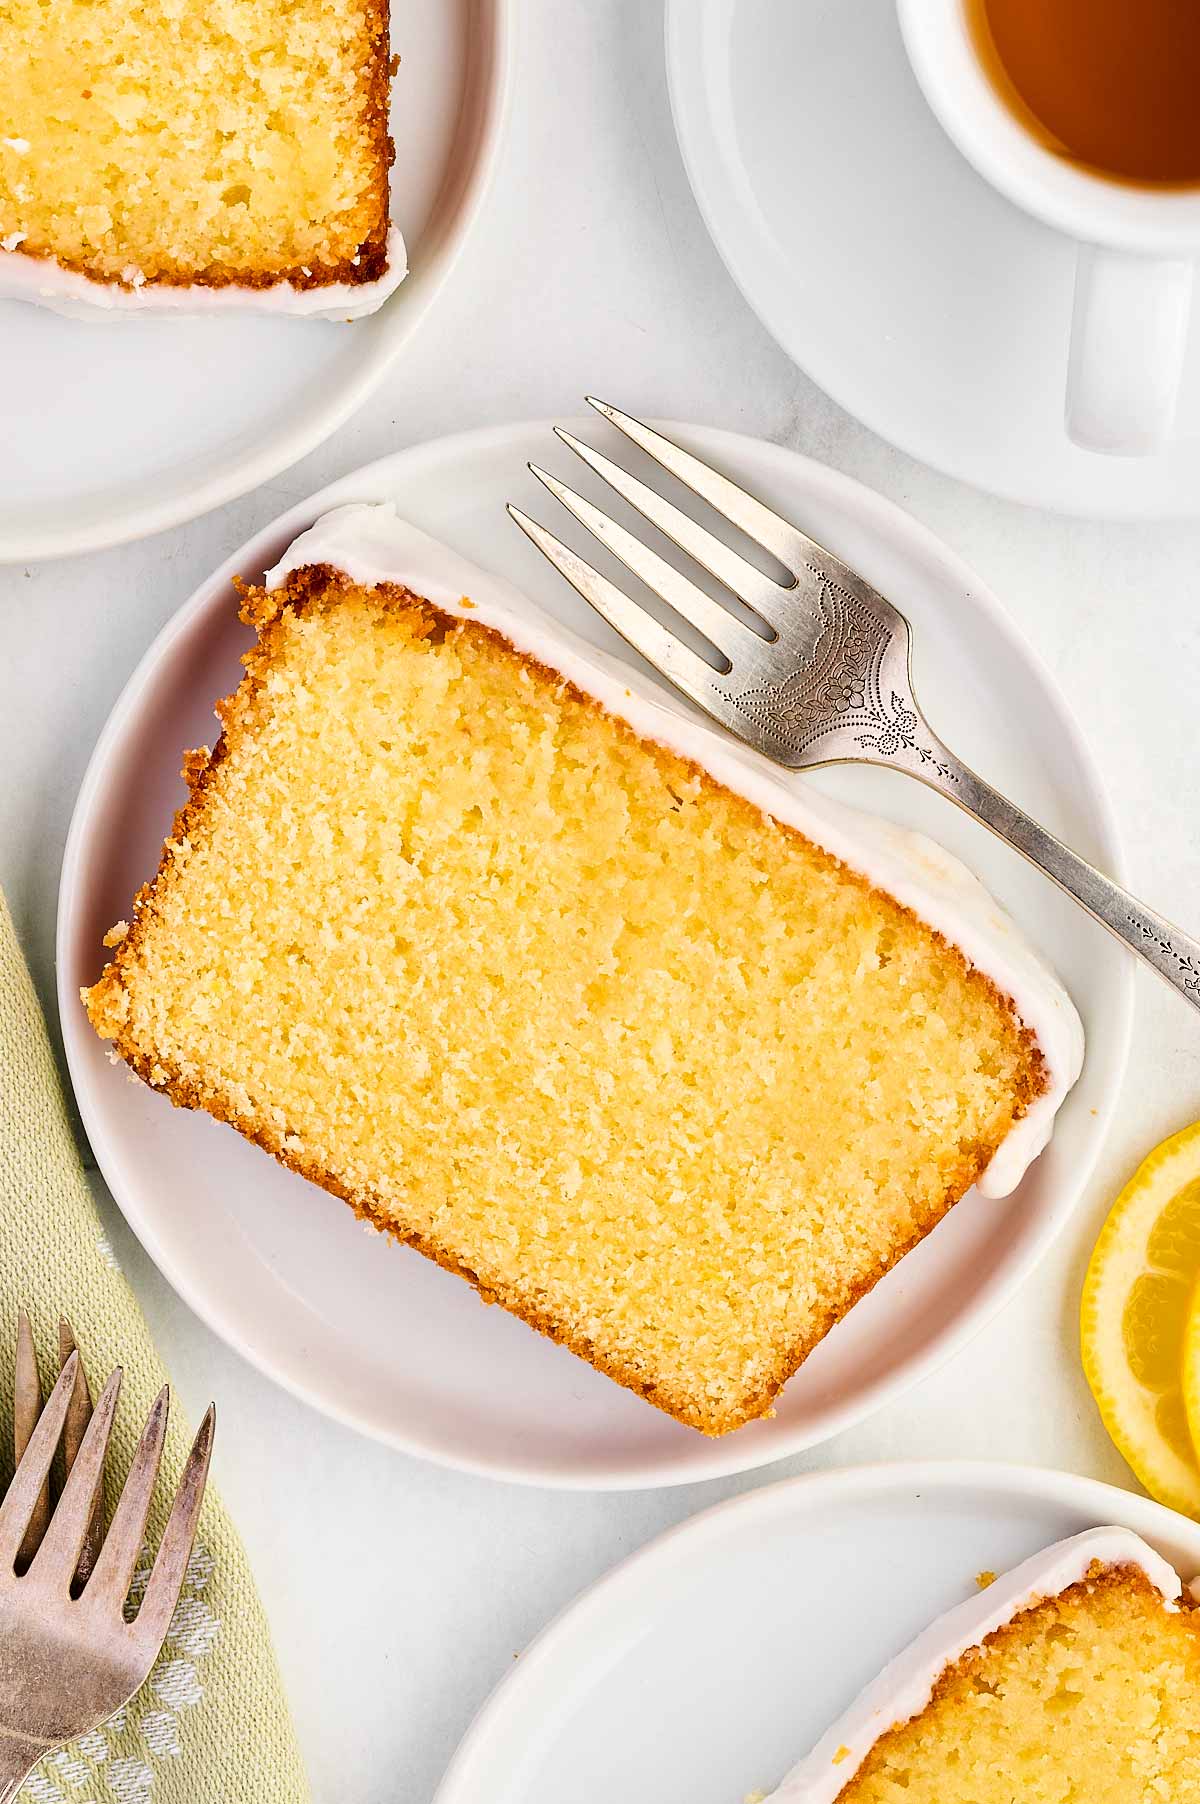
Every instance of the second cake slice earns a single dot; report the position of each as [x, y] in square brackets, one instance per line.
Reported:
[179, 153]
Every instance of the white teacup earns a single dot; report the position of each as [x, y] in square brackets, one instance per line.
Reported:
[1137, 246]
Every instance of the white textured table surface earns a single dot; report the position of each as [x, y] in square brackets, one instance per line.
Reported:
[400, 1593]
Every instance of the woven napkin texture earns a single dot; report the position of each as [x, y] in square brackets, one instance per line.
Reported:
[211, 1724]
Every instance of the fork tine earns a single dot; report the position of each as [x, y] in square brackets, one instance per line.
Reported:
[27, 1407]
[162, 1591]
[685, 668]
[64, 1539]
[27, 1401]
[117, 1558]
[792, 547]
[691, 604]
[20, 1502]
[760, 593]
[79, 1414]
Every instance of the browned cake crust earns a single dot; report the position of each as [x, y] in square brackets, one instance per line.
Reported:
[318, 586]
[1106, 1584]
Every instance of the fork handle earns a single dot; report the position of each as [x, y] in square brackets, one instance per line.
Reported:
[17, 1761]
[1173, 954]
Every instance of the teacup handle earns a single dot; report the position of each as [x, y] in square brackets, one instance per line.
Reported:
[1128, 337]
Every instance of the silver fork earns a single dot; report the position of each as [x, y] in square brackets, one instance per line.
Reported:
[69, 1657]
[819, 673]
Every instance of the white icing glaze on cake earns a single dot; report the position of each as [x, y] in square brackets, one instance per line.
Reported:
[373, 545]
[45, 283]
[905, 1686]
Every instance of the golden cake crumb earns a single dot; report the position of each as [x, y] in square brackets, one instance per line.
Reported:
[1092, 1696]
[178, 141]
[546, 1001]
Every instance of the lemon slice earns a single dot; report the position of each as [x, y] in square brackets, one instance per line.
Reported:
[1137, 1300]
[1191, 1369]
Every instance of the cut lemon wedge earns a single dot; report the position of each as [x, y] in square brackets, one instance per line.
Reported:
[1137, 1302]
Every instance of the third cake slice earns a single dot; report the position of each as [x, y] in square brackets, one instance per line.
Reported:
[1073, 1679]
[659, 1050]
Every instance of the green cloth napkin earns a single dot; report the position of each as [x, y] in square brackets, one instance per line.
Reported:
[211, 1724]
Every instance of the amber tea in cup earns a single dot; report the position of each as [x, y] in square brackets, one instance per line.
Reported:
[1111, 85]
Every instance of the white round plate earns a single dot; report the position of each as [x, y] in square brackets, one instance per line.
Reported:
[370, 1331]
[917, 297]
[704, 1667]
[116, 428]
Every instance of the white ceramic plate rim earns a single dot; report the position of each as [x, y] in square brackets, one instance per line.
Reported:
[683, 23]
[723, 1456]
[492, 72]
[556, 1649]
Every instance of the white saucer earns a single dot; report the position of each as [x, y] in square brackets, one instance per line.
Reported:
[887, 269]
[369, 1331]
[706, 1665]
[120, 427]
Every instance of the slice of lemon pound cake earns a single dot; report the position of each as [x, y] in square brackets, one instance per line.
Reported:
[1074, 1679]
[178, 149]
[547, 998]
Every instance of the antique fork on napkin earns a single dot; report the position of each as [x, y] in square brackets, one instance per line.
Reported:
[69, 1654]
[820, 676]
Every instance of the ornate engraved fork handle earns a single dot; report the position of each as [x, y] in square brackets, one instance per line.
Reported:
[1173, 954]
